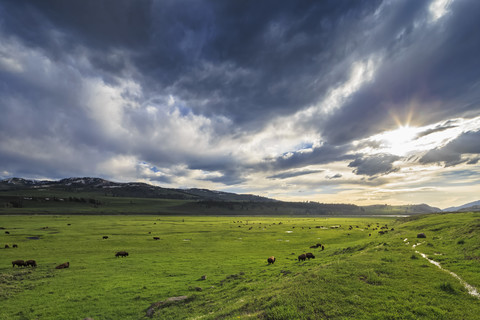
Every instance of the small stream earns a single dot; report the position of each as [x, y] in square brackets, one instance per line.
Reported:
[471, 289]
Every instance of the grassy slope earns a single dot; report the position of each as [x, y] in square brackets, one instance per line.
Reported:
[356, 277]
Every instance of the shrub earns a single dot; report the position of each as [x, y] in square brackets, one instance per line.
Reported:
[447, 287]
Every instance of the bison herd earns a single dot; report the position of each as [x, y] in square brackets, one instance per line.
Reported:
[21, 263]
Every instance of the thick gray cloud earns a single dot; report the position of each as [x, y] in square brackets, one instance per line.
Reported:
[374, 165]
[467, 144]
[319, 155]
[286, 175]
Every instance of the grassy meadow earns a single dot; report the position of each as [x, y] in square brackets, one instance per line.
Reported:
[356, 276]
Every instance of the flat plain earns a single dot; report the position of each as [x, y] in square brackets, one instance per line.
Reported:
[360, 274]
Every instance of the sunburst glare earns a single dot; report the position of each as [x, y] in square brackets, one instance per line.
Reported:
[400, 141]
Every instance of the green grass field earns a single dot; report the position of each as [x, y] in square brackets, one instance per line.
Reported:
[357, 276]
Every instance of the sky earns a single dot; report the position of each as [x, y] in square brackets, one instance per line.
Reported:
[362, 102]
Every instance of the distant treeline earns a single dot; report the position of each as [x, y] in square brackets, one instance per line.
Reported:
[19, 201]
[303, 208]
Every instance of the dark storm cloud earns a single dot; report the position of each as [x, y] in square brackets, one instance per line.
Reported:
[286, 175]
[467, 144]
[374, 165]
[249, 60]
[59, 26]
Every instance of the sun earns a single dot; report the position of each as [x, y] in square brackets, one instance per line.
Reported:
[400, 141]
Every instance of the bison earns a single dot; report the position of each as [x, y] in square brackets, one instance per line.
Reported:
[302, 257]
[15, 246]
[105, 237]
[63, 265]
[7, 246]
[421, 235]
[156, 238]
[309, 255]
[271, 260]
[121, 254]
[19, 263]
[30, 263]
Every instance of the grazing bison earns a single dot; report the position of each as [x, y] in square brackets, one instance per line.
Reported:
[30, 263]
[63, 265]
[105, 237]
[7, 246]
[6, 232]
[271, 260]
[156, 238]
[309, 255]
[421, 235]
[15, 246]
[121, 254]
[19, 263]
[302, 257]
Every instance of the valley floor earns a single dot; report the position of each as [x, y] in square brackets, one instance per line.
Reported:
[368, 268]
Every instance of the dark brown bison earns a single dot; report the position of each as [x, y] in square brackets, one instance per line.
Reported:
[309, 255]
[6, 232]
[121, 254]
[302, 257]
[156, 238]
[421, 235]
[30, 263]
[19, 263]
[7, 246]
[105, 237]
[63, 265]
[323, 248]
[15, 246]
[271, 260]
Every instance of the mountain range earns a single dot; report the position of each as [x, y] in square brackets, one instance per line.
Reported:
[471, 206]
[129, 189]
